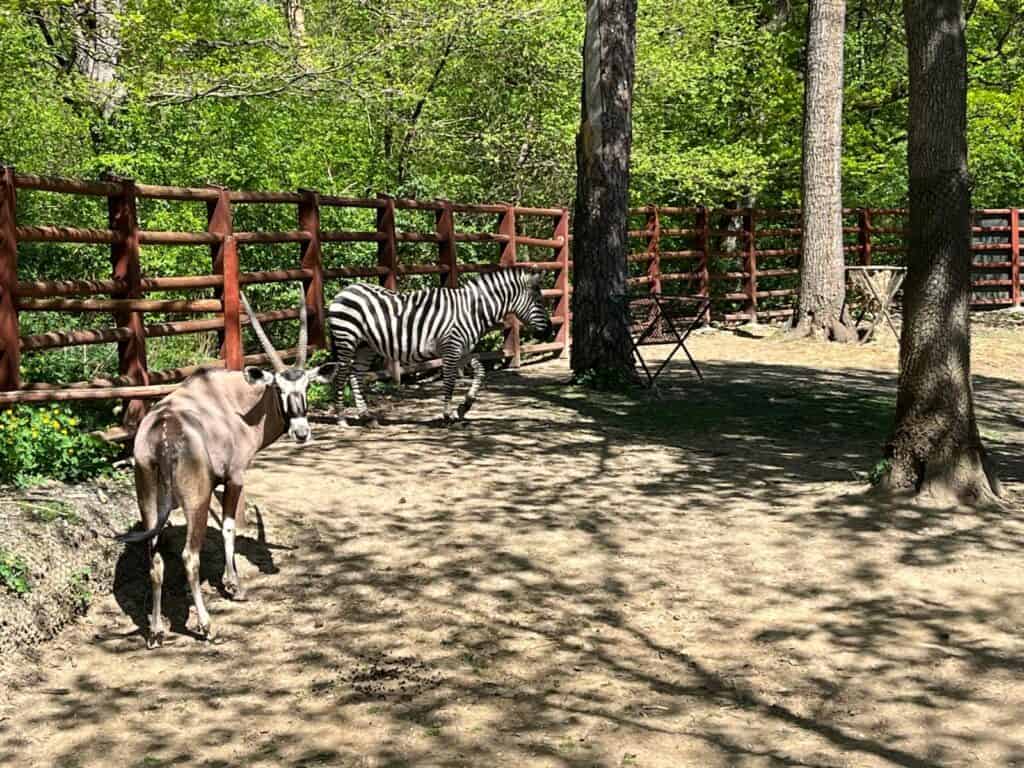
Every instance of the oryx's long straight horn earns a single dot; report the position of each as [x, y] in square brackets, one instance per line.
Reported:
[303, 331]
[275, 359]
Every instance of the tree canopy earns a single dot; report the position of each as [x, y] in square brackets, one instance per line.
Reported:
[473, 100]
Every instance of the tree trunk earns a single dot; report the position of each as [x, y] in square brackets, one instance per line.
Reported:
[96, 33]
[935, 447]
[295, 17]
[600, 330]
[822, 278]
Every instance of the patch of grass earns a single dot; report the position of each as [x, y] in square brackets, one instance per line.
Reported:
[14, 573]
[50, 511]
[80, 589]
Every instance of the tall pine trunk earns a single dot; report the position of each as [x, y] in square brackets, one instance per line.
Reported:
[600, 331]
[822, 278]
[935, 446]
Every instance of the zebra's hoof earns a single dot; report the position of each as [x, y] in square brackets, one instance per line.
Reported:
[371, 422]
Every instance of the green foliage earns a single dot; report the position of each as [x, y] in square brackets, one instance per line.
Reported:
[14, 573]
[879, 471]
[38, 443]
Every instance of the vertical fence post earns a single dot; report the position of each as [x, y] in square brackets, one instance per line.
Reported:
[864, 236]
[564, 336]
[10, 341]
[653, 229]
[703, 226]
[446, 246]
[1015, 256]
[750, 246]
[507, 226]
[387, 251]
[127, 268]
[312, 258]
[218, 222]
[387, 257]
[232, 348]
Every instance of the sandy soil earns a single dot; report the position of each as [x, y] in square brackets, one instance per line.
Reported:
[694, 579]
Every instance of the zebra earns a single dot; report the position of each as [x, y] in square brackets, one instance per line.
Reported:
[368, 320]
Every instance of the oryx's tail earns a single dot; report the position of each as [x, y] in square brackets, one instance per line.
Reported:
[171, 440]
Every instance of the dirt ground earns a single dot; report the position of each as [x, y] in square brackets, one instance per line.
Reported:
[694, 579]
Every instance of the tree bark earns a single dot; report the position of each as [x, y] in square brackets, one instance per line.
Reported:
[822, 278]
[295, 18]
[935, 447]
[96, 33]
[600, 328]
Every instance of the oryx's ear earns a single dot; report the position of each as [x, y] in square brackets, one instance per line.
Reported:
[324, 373]
[256, 376]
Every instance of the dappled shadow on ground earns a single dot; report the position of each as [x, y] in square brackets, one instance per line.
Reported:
[574, 579]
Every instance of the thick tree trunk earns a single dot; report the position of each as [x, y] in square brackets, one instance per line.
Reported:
[96, 32]
[822, 279]
[935, 446]
[600, 330]
[295, 17]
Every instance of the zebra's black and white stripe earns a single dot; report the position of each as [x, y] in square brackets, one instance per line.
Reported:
[367, 320]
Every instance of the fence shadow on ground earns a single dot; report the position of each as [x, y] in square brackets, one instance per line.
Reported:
[579, 580]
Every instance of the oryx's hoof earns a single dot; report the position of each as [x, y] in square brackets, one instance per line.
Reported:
[234, 589]
[154, 640]
[206, 630]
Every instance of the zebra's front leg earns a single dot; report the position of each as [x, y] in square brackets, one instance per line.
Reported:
[474, 387]
[452, 364]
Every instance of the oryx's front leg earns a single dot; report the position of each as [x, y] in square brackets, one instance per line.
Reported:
[474, 387]
[234, 509]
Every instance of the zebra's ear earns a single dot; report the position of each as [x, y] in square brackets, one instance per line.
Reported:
[534, 280]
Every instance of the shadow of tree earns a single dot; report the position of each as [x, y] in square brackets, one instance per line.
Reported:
[575, 579]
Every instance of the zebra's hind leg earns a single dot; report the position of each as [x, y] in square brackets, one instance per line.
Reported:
[474, 387]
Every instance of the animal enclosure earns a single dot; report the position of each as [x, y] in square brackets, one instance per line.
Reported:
[316, 265]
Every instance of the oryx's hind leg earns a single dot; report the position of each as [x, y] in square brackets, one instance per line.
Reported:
[196, 503]
[474, 387]
[147, 489]
[234, 509]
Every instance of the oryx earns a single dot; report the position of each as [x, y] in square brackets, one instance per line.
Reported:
[204, 433]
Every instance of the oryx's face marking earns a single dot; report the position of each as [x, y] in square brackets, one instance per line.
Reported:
[291, 385]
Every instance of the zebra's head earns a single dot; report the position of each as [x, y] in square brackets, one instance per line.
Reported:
[528, 304]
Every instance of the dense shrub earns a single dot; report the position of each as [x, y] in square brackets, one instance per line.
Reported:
[37, 443]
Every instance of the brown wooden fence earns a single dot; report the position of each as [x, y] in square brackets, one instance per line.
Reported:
[126, 289]
[747, 259]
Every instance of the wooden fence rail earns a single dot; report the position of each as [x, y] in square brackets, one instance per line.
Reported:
[123, 294]
[747, 260]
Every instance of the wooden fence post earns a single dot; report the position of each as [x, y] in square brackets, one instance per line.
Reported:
[750, 236]
[703, 227]
[218, 222]
[562, 283]
[653, 229]
[1015, 256]
[127, 267]
[387, 251]
[387, 257]
[232, 348]
[864, 236]
[445, 229]
[507, 226]
[312, 258]
[10, 336]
